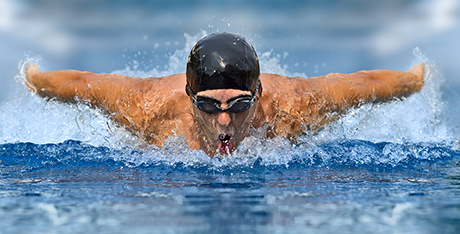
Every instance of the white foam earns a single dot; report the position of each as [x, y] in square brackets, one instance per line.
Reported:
[29, 118]
[419, 118]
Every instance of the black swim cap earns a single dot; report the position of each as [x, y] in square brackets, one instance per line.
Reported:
[222, 61]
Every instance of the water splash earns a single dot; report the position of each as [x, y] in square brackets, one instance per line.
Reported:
[417, 118]
[348, 154]
[404, 127]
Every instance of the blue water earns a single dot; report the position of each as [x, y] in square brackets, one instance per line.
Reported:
[343, 187]
[385, 168]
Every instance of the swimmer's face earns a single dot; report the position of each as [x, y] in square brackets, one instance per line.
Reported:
[224, 129]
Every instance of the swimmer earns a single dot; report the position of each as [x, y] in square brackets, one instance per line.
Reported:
[223, 95]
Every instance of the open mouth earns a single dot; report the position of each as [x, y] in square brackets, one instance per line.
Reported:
[226, 144]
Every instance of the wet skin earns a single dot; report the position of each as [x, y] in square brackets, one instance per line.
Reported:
[224, 130]
[156, 108]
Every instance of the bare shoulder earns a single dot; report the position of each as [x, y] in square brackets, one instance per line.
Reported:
[271, 81]
[155, 104]
[162, 89]
[274, 83]
[169, 83]
[284, 93]
[164, 94]
[291, 105]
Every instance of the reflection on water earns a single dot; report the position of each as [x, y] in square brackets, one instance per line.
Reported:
[73, 186]
[369, 172]
[388, 168]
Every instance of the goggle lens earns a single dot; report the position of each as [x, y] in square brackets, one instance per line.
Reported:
[236, 106]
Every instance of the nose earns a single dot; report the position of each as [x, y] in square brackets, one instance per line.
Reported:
[223, 119]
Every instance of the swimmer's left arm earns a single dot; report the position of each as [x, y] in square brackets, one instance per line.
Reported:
[321, 100]
[341, 91]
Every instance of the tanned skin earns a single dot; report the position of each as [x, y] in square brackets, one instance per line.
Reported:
[156, 108]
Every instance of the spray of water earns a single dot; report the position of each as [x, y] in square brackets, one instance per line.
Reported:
[417, 119]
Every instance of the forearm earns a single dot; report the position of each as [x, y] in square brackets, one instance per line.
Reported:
[345, 90]
[63, 85]
[122, 97]
[101, 90]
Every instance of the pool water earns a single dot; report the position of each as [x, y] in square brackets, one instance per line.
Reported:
[384, 168]
[341, 187]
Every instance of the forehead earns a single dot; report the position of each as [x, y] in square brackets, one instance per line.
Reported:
[223, 94]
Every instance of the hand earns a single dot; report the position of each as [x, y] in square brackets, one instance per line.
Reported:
[419, 71]
[31, 70]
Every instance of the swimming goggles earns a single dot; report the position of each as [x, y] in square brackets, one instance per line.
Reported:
[236, 105]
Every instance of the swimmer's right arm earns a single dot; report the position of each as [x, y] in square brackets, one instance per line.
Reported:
[101, 90]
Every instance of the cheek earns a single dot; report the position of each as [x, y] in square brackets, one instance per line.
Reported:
[240, 119]
[244, 119]
[207, 121]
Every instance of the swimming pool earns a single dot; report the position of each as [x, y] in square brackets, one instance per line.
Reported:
[386, 168]
[347, 186]
[381, 168]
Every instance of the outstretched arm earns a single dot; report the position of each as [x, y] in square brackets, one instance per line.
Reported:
[312, 103]
[342, 91]
[336, 93]
[120, 96]
[101, 90]
[148, 106]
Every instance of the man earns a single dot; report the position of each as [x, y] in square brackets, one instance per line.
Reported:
[223, 96]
